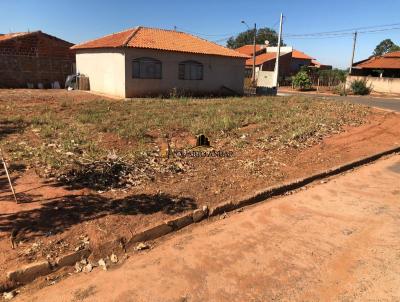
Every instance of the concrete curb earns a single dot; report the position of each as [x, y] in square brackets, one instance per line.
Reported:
[296, 184]
[35, 270]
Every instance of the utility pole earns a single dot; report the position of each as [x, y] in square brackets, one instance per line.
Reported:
[253, 76]
[354, 50]
[278, 54]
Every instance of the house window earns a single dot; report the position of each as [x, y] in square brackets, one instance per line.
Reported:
[190, 70]
[146, 68]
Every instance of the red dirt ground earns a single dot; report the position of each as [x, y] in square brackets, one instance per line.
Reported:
[54, 219]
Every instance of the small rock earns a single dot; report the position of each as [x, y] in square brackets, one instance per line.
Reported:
[8, 296]
[78, 267]
[88, 268]
[114, 258]
[347, 232]
[102, 264]
[142, 246]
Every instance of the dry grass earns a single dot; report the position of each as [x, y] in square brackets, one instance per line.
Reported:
[52, 131]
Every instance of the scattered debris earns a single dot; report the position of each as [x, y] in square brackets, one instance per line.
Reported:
[114, 258]
[52, 280]
[87, 268]
[102, 264]
[223, 216]
[142, 246]
[347, 232]
[114, 172]
[78, 267]
[7, 296]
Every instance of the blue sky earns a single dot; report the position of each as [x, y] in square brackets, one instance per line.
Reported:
[77, 21]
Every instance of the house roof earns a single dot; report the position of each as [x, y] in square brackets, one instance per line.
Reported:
[10, 36]
[262, 58]
[318, 64]
[248, 49]
[387, 61]
[160, 39]
[394, 54]
[17, 35]
[300, 55]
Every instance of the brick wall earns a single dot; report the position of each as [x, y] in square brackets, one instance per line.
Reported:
[34, 58]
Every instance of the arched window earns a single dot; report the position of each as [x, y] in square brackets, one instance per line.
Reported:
[146, 68]
[190, 70]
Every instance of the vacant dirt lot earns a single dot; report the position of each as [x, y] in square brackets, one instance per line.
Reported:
[85, 166]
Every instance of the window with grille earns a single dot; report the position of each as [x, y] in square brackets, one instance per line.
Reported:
[190, 70]
[146, 68]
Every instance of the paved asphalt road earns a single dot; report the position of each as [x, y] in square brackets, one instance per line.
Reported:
[334, 241]
[383, 103]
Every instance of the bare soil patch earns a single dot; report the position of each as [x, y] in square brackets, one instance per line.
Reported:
[63, 146]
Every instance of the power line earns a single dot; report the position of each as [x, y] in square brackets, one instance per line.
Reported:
[342, 35]
[342, 31]
[318, 35]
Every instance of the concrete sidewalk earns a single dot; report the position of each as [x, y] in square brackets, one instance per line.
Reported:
[334, 241]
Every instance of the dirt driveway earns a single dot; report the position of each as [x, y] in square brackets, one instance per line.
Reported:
[336, 241]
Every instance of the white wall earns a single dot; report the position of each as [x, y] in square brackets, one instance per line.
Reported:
[382, 85]
[218, 71]
[105, 69]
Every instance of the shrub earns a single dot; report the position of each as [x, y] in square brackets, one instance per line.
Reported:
[360, 87]
[339, 89]
[302, 81]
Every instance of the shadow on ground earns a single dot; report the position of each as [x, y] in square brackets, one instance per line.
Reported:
[57, 215]
[10, 127]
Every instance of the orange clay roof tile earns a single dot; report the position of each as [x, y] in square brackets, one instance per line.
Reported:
[300, 55]
[248, 49]
[388, 62]
[262, 58]
[160, 39]
[394, 54]
[10, 36]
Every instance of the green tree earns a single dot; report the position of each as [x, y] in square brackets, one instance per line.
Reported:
[384, 47]
[246, 37]
[302, 80]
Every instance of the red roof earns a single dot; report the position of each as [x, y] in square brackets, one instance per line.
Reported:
[248, 49]
[387, 61]
[160, 39]
[5, 37]
[394, 54]
[381, 63]
[300, 55]
[262, 58]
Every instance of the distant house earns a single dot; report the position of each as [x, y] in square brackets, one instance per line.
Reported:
[387, 65]
[34, 59]
[299, 60]
[145, 61]
[291, 60]
[382, 73]
[266, 62]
